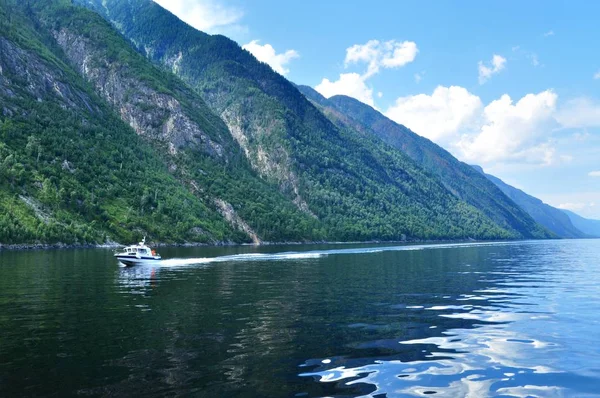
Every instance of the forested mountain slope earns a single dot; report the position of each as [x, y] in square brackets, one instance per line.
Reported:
[70, 170]
[75, 173]
[357, 186]
[458, 177]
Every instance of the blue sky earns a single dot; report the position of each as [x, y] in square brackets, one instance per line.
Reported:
[513, 86]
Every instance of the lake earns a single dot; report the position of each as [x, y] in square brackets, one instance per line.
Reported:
[491, 319]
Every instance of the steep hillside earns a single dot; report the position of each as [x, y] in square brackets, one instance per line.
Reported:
[587, 226]
[359, 187]
[458, 177]
[70, 170]
[552, 218]
[192, 140]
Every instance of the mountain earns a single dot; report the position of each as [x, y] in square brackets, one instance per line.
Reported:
[552, 218]
[458, 177]
[71, 170]
[356, 186]
[97, 144]
[587, 226]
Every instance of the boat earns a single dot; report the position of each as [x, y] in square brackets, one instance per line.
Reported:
[137, 254]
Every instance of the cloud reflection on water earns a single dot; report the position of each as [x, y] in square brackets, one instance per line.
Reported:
[500, 353]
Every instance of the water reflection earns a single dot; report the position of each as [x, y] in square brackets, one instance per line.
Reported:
[510, 319]
[138, 278]
[513, 345]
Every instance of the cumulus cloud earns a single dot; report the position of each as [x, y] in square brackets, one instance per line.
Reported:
[368, 53]
[594, 173]
[486, 72]
[377, 55]
[597, 75]
[438, 116]
[399, 54]
[503, 130]
[350, 84]
[205, 15]
[516, 131]
[266, 53]
[389, 54]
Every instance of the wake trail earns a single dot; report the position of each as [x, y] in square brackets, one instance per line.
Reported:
[315, 254]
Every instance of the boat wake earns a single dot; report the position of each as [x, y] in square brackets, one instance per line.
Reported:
[246, 257]
[175, 262]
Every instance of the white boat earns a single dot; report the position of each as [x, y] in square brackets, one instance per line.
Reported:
[137, 254]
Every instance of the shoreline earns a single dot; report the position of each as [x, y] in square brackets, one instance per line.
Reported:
[114, 245]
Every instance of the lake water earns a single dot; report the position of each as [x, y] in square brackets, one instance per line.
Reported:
[506, 319]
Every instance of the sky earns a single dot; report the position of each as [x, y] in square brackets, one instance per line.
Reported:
[512, 86]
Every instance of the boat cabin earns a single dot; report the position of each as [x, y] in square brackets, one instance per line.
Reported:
[133, 250]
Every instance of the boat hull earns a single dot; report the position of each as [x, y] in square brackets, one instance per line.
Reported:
[133, 260]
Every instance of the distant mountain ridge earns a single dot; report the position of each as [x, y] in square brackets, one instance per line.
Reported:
[458, 177]
[550, 217]
[586, 225]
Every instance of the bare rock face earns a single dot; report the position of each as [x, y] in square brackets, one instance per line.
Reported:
[264, 148]
[157, 115]
[228, 212]
[23, 72]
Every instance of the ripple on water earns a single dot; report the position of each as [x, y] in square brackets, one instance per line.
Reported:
[517, 345]
[509, 319]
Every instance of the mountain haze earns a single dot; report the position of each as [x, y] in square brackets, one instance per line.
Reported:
[550, 217]
[586, 225]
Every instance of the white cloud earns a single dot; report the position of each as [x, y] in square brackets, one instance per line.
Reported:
[440, 115]
[579, 113]
[584, 203]
[205, 15]
[419, 76]
[594, 173]
[368, 52]
[377, 55]
[597, 75]
[397, 54]
[266, 53]
[350, 84]
[576, 206]
[485, 72]
[502, 131]
[549, 33]
[514, 131]
[389, 54]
